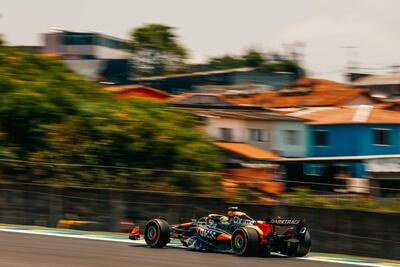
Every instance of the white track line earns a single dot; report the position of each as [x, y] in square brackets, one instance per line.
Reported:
[72, 236]
[350, 263]
[171, 245]
[141, 242]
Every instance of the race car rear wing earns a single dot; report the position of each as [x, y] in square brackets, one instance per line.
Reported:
[298, 225]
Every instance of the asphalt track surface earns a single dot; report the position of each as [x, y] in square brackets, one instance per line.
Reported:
[19, 250]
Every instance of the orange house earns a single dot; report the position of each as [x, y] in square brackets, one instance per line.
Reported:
[251, 166]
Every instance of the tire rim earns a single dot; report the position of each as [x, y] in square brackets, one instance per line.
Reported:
[239, 241]
[151, 233]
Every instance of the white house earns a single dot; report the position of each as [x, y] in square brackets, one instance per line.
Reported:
[284, 135]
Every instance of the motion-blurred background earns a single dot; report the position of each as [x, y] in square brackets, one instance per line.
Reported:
[185, 113]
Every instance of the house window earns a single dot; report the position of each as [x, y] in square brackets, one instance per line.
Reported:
[381, 137]
[321, 138]
[292, 137]
[256, 135]
[314, 169]
[226, 134]
[342, 171]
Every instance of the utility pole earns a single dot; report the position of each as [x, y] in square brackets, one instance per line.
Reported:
[352, 61]
[1, 36]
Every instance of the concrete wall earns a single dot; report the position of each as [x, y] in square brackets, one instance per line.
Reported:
[213, 128]
[98, 52]
[110, 53]
[267, 129]
[89, 68]
[335, 231]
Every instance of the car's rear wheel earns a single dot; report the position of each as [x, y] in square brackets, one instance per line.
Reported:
[301, 248]
[245, 241]
[156, 233]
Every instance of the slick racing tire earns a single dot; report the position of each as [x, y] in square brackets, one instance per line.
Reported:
[156, 233]
[245, 241]
[302, 248]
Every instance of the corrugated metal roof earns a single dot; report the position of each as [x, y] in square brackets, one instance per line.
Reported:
[389, 79]
[244, 114]
[383, 165]
[247, 151]
[338, 158]
[200, 73]
[194, 98]
[355, 115]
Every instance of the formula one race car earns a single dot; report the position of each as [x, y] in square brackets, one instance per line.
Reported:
[236, 232]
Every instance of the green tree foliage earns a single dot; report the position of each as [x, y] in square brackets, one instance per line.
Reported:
[224, 62]
[251, 58]
[50, 114]
[156, 50]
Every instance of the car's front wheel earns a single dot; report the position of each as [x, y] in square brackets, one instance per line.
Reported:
[156, 233]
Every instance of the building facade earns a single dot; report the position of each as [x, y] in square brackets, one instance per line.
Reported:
[280, 134]
[189, 82]
[84, 45]
[347, 132]
[93, 55]
[386, 86]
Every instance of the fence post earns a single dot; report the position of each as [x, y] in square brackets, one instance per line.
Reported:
[55, 203]
[118, 207]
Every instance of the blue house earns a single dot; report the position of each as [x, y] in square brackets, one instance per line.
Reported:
[360, 131]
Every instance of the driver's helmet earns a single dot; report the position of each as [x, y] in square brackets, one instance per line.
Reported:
[224, 220]
[234, 211]
[213, 219]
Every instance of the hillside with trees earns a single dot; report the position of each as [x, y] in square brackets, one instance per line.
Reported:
[251, 58]
[156, 50]
[51, 117]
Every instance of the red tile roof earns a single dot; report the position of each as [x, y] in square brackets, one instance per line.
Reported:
[185, 96]
[134, 90]
[305, 92]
